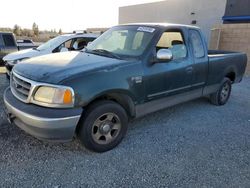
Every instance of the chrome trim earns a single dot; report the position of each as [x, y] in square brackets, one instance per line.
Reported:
[164, 54]
[33, 88]
[177, 89]
[168, 91]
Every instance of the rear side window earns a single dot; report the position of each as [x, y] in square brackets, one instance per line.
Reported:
[8, 40]
[196, 41]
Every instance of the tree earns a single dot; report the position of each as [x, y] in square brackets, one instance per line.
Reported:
[35, 29]
[17, 30]
[60, 31]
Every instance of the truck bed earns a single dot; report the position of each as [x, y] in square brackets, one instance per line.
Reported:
[222, 62]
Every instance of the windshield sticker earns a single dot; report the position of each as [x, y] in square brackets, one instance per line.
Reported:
[146, 29]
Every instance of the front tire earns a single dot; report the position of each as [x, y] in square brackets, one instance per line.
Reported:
[103, 126]
[222, 95]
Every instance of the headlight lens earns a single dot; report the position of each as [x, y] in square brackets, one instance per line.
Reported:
[14, 62]
[54, 96]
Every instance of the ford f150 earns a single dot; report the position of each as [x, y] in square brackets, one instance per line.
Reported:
[128, 72]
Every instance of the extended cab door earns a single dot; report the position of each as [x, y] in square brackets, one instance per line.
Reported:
[200, 58]
[168, 78]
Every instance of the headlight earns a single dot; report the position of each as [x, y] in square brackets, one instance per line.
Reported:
[13, 62]
[54, 96]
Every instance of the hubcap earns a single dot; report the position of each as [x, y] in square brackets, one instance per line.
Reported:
[225, 92]
[106, 128]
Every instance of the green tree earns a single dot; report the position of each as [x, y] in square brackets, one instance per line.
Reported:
[60, 31]
[17, 30]
[35, 29]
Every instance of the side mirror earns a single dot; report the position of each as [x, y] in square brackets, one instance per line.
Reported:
[64, 49]
[88, 44]
[164, 55]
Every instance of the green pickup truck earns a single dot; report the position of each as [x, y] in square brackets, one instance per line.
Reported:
[128, 72]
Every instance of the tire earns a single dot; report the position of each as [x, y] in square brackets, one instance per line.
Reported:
[103, 126]
[222, 95]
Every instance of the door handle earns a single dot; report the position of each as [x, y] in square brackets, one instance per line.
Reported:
[189, 70]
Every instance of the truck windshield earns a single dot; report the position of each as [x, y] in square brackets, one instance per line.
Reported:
[130, 41]
[53, 42]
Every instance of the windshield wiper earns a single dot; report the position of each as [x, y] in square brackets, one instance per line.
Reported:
[104, 52]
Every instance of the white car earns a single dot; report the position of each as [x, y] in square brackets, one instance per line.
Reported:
[62, 43]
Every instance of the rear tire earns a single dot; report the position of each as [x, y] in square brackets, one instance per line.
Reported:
[103, 126]
[222, 95]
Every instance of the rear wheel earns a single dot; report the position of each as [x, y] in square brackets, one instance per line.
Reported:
[222, 95]
[103, 126]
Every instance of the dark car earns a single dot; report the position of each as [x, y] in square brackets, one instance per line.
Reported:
[7, 45]
[126, 73]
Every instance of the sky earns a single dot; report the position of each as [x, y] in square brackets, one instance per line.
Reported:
[68, 15]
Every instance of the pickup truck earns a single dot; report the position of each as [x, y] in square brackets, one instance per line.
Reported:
[128, 72]
[25, 44]
[62, 43]
[9, 44]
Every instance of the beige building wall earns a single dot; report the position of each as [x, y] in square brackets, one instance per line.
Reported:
[206, 12]
[232, 37]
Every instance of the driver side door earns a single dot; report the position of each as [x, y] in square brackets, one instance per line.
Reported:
[168, 78]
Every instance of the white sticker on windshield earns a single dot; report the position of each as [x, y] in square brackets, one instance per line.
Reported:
[146, 29]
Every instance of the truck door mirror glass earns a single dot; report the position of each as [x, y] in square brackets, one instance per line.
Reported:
[164, 55]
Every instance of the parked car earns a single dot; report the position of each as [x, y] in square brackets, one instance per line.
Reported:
[7, 45]
[62, 43]
[25, 44]
[128, 72]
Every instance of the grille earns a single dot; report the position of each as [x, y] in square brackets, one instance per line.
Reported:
[20, 87]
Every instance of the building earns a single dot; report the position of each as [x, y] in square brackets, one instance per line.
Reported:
[237, 11]
[203, 13]
[234, 34]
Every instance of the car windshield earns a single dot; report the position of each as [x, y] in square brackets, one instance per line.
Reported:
[53, 42]
[130, 41]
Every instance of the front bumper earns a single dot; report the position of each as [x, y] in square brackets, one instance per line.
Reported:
[43, 123]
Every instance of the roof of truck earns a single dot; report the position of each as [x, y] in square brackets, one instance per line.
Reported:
[163, 25]
[87, 35]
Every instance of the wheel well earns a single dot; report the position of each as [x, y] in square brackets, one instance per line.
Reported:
[231, 76]
[124, 100]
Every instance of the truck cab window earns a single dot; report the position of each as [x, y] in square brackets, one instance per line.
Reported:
[173, 40]
[197, 44]
[8, 40]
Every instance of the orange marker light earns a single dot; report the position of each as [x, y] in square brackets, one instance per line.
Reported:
[67, 98]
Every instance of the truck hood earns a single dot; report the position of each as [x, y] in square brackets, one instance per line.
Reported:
[54, 68]
[28, 53]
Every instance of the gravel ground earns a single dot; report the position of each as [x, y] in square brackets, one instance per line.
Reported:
[194, 144]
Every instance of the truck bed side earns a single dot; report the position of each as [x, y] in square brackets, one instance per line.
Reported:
[224, 64]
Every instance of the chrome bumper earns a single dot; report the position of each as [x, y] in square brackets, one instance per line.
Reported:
[42, 123]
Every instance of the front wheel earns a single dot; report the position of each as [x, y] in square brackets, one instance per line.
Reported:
[222, 95]
[103, 126]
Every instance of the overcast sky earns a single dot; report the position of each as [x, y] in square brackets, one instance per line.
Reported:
[68, 15]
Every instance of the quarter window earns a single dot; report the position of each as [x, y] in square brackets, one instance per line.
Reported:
[197, 44]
